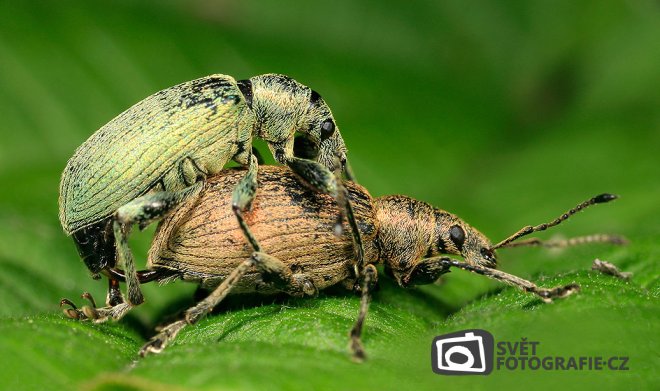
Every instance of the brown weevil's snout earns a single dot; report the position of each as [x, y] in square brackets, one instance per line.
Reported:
[477, 249]
[454, 236]
[489, 257]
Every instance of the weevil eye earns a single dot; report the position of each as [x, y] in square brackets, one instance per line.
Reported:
[488, 255]
[327, 129]
[457, 235]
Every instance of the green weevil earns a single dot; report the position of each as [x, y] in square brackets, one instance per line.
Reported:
[156, 154]
[199, 242]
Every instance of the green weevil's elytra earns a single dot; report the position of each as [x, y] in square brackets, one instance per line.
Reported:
[160, 143]
[200, 242]
[156, 154]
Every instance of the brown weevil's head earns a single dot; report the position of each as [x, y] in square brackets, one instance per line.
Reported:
[454, 236]
[412, 234]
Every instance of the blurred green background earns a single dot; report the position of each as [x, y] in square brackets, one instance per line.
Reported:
[505, 113]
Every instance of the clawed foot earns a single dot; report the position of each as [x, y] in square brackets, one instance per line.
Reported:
[97, 315]
[357, 349]
[80, 314]
[160, 340]
[73, 312]
[155, 346]
[559, 292]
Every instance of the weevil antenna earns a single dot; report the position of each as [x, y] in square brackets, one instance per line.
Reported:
[561, 243]
[599, 199]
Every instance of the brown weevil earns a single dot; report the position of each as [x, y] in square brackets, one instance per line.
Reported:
[201, 242]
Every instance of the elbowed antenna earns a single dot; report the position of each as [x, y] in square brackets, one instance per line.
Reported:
[599, 199]
[561, 243]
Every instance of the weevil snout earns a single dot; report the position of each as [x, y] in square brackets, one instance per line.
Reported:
[96, 246]
[454, 236]
[488, 254]
[340, 162]
[476, 249]
[332, 153]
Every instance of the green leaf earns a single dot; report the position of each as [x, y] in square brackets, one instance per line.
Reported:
[504, 114]
[50, 351]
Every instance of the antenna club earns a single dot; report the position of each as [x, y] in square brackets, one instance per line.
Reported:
[605, 197]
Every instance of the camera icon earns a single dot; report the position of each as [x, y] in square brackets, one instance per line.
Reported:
[467, 352]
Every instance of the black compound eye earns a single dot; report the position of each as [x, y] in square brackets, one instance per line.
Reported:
[457, 235]
[327, 129]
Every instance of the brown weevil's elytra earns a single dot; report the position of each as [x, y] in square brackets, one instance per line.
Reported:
[156, 155]
[200, 242]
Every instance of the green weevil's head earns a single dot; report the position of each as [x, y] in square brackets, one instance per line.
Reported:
[323, 135]
[294, 120]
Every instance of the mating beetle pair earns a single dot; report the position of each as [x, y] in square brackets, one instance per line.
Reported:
[156, 155]
[164, 157]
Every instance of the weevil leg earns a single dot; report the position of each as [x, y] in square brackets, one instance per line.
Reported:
[194, 314]
[116, 306]
[357, 238]
[142, 211]
[544, 293]
[319, 178]
[88, 296]
[444, 263]
[369, 280]
[242, 198]
[97, 315]
[80, 314]
[281, 276]
[276, 270]
[314, 175]
[114, 296]
[100, 315]
[72, 312]
[427, 271]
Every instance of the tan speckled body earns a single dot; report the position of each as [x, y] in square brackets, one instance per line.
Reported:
[203, 241]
